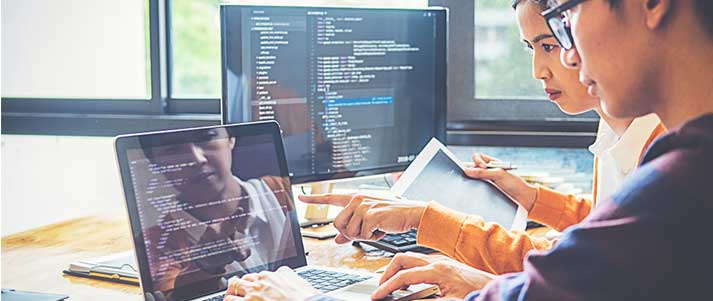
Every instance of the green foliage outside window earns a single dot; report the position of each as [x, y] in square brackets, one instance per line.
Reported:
[196, 52]
[196, 48]
[509, 74]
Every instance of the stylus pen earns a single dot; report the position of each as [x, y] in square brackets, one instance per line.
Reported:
[496, 164]
[501, 165]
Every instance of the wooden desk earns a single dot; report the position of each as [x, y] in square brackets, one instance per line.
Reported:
[34, 260]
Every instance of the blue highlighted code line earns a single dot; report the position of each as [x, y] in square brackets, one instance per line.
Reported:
[364, 101]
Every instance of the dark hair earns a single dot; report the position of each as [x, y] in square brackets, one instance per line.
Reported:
[704, 8]
[543, 4]
[705, 14]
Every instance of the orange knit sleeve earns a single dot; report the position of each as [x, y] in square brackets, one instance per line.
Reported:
[559, 210]
[469, 239]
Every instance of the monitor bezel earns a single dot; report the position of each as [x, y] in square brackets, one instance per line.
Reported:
[124, 143]
[441, 91]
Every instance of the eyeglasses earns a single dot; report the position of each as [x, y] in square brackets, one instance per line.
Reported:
[558, 25]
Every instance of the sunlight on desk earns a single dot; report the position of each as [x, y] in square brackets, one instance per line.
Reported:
[34, 260]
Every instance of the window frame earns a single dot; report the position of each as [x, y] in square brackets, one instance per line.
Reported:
[110, 117]
[470, 120]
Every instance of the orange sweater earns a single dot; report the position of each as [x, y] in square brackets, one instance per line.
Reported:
[490, 247]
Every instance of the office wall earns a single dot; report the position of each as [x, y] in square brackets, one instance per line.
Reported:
[46, 179]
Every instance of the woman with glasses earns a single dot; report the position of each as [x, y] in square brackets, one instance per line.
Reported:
[620, 144]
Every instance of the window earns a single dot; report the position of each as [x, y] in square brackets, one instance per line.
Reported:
[196, 48]
[196, 39]
[492, 98]
[50, 51]
[503, 66]
[88, 68]
[155, 64]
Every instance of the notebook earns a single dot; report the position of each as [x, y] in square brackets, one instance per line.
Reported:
[119, 267]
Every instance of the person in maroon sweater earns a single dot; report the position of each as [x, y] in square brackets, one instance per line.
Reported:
[650, 240]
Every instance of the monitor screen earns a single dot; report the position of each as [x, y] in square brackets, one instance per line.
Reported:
[356, 91]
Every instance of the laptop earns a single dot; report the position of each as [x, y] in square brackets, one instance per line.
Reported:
[210, 203]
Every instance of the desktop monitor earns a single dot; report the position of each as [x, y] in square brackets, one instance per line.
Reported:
[356, 91]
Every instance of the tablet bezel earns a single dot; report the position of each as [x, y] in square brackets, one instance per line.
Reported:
[424, 157]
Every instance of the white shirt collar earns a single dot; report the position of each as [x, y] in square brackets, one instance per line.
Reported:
[257, 208]
[606, 138]
[627, 151]
[255, 204]
[199, 227]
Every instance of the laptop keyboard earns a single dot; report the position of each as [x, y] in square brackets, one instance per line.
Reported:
[215, 298]
[401, 239]
[327, 281]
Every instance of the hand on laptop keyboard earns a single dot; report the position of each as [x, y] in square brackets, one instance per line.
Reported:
[327, 281]
[454, 279]
[281, 285]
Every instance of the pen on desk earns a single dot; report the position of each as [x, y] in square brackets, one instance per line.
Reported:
[113, 276]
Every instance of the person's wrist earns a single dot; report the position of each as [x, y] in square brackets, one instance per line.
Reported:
[530, 197]
[416, 213]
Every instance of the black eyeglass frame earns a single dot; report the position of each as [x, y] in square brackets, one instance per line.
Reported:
[563, 33]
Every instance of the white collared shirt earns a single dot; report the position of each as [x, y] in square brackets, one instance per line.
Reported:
[619, 156]
[269, 231]
[268, 226]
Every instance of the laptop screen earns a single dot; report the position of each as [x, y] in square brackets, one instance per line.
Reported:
[207, 204]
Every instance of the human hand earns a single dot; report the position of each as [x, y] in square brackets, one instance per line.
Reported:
[454, 279]
[369, 218]
[155, 296]
[281, 285]
[522, 192]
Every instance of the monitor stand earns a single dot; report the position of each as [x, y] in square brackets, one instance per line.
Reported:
[318, 214]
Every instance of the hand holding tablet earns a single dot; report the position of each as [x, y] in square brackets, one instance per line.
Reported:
[437, 174]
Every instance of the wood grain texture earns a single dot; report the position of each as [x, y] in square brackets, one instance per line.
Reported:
[34, 260]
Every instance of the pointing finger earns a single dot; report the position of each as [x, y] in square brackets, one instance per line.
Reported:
[340, 200]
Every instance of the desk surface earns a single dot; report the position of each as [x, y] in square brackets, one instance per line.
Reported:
[34, 260]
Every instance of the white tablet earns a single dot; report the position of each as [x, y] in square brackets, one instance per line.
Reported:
[437, 175]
